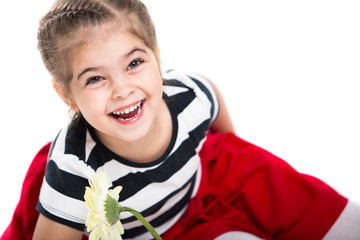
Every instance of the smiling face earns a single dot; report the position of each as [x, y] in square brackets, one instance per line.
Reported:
[117, 87]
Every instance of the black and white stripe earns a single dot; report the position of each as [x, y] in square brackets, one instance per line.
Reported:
[160, 190]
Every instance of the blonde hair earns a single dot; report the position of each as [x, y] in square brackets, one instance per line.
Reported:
[61, 27]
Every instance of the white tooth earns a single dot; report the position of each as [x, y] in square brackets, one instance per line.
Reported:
[131, 109]
[136, 107]
[139, 104]
[118, 113]
[127, 111]
[121, 112]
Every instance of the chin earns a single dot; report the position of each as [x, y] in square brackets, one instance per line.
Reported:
[134, 135]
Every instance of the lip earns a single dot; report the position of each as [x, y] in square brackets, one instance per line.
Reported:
[127, 106]
[132, 120]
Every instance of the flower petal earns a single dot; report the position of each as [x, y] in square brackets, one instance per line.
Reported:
[114, 193]
[91, 222]
[120, 227]
[95, 197]
[104, 232]
[100, 181]
[115, 234]
[94, 234]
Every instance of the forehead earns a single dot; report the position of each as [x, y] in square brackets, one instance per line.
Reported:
[105, 41]
[102, 34]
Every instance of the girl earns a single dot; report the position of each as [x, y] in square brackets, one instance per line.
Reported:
[146, 128]
[104, 58]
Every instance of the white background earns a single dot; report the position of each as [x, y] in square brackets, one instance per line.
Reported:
[288, 70]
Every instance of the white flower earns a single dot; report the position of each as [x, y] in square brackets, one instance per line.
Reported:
[97, 221]
[104, 211]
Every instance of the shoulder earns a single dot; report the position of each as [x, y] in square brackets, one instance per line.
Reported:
[70, 151]
[66, 176]
[176, 82]
[185, 79]
[192, 95]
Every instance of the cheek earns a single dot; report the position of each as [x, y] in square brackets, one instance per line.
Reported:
[156, 82]
[150, 82]
[90, 104]
[156, 88]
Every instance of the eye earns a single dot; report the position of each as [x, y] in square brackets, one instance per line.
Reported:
[135, 63]
[94, 80]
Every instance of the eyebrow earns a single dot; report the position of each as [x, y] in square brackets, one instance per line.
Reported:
[129, 54]
[134, 50]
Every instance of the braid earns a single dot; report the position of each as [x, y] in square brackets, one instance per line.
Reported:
[58, 28]
[65, 17]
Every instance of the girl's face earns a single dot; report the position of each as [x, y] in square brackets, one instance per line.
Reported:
[117, 86]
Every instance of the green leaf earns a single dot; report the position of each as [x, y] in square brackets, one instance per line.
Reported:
[112, 209]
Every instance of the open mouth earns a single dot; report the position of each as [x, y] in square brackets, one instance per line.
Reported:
[129, 113]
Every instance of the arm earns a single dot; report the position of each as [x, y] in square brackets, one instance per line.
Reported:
[223, 123]
[48, 229]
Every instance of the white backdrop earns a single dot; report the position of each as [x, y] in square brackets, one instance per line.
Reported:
[288, 70]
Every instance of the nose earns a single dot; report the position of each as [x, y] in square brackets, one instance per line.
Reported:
[122, 88]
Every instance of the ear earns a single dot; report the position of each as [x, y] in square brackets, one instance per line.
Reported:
[64, 94]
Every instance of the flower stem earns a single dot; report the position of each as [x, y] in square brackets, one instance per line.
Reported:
[143, 221]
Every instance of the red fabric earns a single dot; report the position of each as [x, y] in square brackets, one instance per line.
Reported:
[243, 187]
[24, 219]
[25, 216]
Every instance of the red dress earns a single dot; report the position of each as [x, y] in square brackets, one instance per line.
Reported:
[243, 188]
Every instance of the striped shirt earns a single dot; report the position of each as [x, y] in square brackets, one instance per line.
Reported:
[160, 190]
